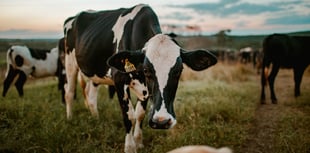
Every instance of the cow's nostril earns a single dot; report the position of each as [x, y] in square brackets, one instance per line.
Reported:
[144, 93]
[160, 124]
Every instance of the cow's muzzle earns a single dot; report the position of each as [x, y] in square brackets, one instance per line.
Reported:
[161, 124]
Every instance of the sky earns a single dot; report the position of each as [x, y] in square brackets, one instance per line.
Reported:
[44, 18]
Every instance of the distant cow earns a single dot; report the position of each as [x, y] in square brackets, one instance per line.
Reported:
[284, 51]
[23, 62]
[245, 55]
[141, 57]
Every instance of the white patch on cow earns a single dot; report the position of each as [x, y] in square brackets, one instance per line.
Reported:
[130, 145]
[125, 92]
[138, 88]
[162, 52]
[8, 63]
[139, 113]
[163, 114]
[130, 113]
[68, 26]
[71, 73]
[109, 73]
[92, 98]
[48, 66]
[43, 68]
[24, 52]
[119, 26]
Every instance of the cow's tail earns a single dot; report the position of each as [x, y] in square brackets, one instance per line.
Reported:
[265, 75]
[61, 75]
[265, 65]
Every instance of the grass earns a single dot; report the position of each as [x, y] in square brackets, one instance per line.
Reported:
[37, 123]
[215, 107]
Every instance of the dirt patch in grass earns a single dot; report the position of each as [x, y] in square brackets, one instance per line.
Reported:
[275, 127]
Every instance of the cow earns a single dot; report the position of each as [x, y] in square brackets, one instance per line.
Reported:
[284, 51]
[125, 48]
[23, 61]
[245, 55]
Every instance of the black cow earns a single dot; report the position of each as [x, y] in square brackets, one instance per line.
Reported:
[23, 61]
[142, 58]
[284, 51]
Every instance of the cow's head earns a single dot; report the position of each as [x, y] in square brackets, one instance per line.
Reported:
[162, 60]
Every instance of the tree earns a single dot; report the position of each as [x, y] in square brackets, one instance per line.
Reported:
[222, 37]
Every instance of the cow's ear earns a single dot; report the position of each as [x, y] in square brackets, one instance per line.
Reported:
[126, 61]
[198, 60]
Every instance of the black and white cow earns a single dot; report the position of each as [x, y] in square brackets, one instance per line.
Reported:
[23, 61]
[139, 56]
[285, 51]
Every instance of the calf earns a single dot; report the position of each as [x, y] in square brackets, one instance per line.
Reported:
[139, 57]
[285, 51]
[23, 61]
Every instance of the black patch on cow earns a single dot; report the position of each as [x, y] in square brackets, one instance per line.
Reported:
[95, 43]
[33, 70]
[19, 60]
[11, 74]
[39, 53]
[10, 52]
[127, 11]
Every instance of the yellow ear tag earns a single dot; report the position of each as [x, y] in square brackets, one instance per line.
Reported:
[129, 67]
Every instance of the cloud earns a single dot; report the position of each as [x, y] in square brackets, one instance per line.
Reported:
[178, 16]
[245, 14]
[292, 19]
[226, 8]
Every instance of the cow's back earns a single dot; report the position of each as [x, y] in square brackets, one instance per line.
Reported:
[94, 42]
[285, 50]
[98, 36]
[303, 48]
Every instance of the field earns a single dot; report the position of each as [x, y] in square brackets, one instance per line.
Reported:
[217, 107]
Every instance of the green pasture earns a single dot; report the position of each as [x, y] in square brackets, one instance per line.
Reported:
[216, 108]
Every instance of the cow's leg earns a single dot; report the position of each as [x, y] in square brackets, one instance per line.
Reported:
[271, 78]
[91, 95]
[264, 76]
[9, 78]
[71, 73]
[128, 115]
[85, 88]
[111, 91]
[61, 84]
[298, 73]
[140, 114]
[19, 84]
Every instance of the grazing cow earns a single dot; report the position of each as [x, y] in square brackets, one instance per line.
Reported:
[200, 149]
[23, 61]
[139, 56]
[284, 51]
[245, 55]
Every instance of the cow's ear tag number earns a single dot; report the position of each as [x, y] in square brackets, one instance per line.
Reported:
[129, 67]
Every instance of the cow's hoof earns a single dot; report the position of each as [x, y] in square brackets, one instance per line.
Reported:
[262, 102]
[274, 101]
